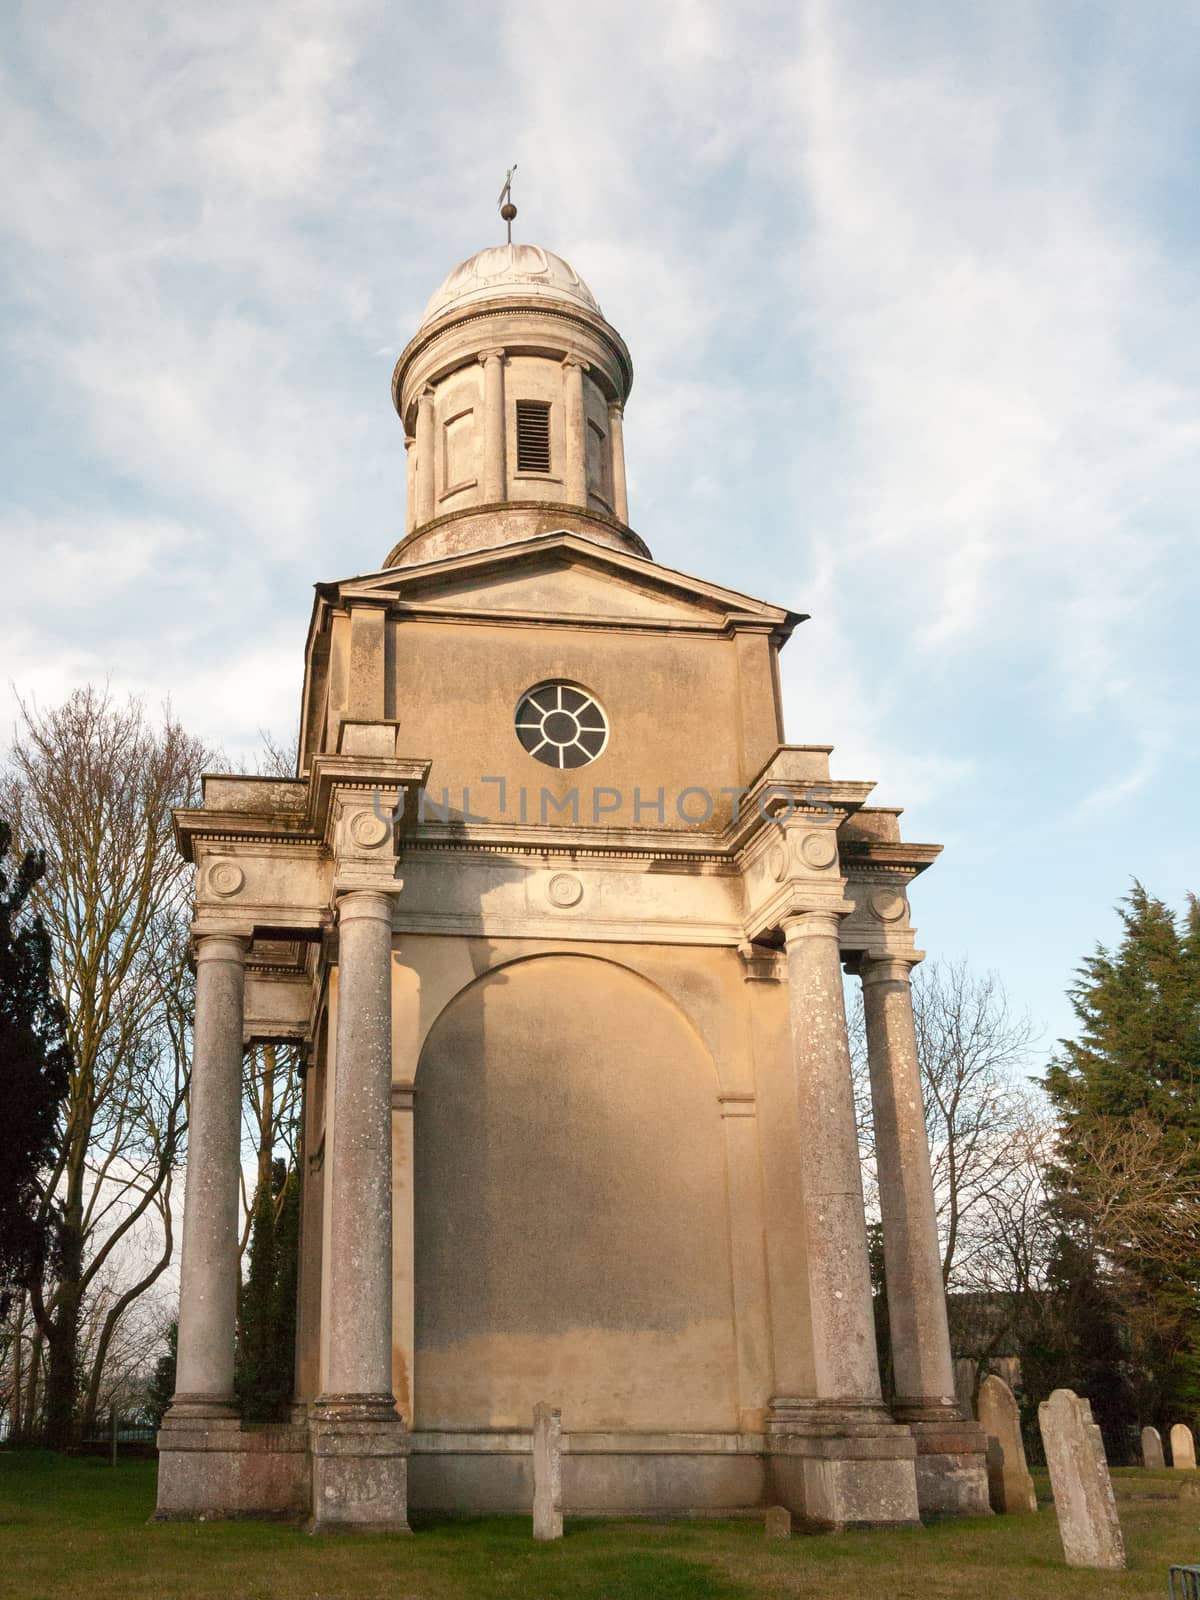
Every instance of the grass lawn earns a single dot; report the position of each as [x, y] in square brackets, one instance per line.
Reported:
[71, 1527]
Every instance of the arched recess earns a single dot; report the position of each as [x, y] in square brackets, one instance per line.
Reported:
[571, 1240]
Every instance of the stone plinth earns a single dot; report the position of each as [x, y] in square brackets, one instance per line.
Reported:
[213, 1468]
[547, 1472]
[1010, 1486]
[605, 1474]
[1083, 1497]
[842, 1467]
[1183, 1448]
[359, 1466]
[1152, 1449]
[951, 1463]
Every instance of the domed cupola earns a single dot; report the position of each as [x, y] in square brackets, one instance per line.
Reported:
[512, 395]
[505, 269]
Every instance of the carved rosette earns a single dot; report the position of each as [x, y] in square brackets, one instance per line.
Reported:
[564, 890]
[224, 879]
[887, 905]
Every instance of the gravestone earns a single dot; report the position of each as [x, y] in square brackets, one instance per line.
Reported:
[1083, 1496]
[779, 1522]
[1152, 1450]
[1010, 1488]
[1183, 1448]
[547, 1472]
[964, 1385]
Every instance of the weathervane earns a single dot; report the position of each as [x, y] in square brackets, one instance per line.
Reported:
[507, 210]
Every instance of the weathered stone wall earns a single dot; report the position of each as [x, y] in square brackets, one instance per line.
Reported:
[571, 1227]
[671, 704]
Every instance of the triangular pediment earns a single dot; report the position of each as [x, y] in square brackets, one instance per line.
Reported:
[561, 576]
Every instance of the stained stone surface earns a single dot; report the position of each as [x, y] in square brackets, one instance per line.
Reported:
[1152, 1448]
[547, 1472]
[1083, 1496]
[1183, 1448]
[1010, 1487]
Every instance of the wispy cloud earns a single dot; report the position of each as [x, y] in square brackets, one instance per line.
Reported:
[909, 294]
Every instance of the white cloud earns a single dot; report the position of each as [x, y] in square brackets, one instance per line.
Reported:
[908, 294]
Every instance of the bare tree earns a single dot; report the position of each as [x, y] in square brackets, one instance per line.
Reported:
[93, 783]
[982, 1117]
[1134, 1207]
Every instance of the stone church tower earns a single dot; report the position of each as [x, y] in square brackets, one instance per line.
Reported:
[560, 921]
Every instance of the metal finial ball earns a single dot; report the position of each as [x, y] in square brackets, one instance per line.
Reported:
[508, 211]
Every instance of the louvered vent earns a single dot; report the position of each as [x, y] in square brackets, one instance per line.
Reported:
[533, 436]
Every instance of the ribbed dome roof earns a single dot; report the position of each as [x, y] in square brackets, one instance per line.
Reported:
[507, 269]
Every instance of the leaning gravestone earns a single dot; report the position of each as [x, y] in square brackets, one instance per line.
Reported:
[1083, 1497]
[1010, 1488]
[1152, 1450]
[1183, 1448]
[547, 1472]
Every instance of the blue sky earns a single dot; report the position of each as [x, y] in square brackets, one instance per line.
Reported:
[912, 298]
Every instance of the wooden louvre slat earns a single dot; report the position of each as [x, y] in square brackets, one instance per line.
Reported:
[533, 436]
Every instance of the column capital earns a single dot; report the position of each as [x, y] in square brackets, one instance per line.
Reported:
[885, 967]
[493, 353]
[616, 408]
[822, 922]
[576, 361]
[218, 946]
[410, 440]
[357, 905]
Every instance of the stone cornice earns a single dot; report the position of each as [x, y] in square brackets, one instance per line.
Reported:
[874, 855]
[304, 823]
[603, 519]
[526, 305]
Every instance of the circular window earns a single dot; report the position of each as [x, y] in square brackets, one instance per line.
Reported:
[561, 725]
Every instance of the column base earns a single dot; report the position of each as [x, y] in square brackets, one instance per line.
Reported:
[359, 1452]
[842, 1464]
[951, 1464]
[202, 1408]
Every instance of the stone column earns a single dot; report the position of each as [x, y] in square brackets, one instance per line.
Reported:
[426, 465]
[494, 474]
[410, 501]
[575, 432]
[843, 1324]
[358, 1441]
[616, 444]
[951, 1449]
[920, 1336]
[837, 1457]
[208, 1269]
